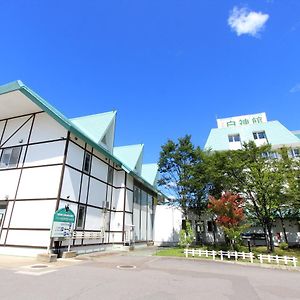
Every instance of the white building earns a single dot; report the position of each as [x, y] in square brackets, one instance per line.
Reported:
[48, 161]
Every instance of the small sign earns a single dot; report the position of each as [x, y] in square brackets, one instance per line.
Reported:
[63, 221]
[242, 120]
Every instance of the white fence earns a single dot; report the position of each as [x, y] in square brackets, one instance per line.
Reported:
[278, 259]
[240, 255]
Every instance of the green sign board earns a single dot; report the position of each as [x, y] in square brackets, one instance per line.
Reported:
[63, 222]
[63, 215]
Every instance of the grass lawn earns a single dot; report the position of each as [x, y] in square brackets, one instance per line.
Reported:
[179, 252]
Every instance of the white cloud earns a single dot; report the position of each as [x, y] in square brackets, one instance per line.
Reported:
[244, 21]
[295, 89]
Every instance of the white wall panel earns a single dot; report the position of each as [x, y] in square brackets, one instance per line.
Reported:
[42, 182]
[45, 154]
[71, 184]
[3, 236]
[8, 183]
[28, 238]
[8, 213]
[128, 219]
[94, 219]
[45, 128]
[75, 156]
[116, 221]
[115, 237]
[33, 214]
[129, 200]
[136, 221]
[129, 182]
[99, 169]
[84, 188]
[118, 199]
[109, 197]
[119, 178]
[97, 192]
[20, 137]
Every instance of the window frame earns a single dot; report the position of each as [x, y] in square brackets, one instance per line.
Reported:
[80, 208]
[10, 164]
[256, 135]
[87, 164]
[232, 138]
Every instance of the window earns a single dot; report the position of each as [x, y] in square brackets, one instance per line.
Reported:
[10, 157]
[110, 175]
[87, 162]
[295, 152]
[211, 226]
[259, 135]
[80, 217]
[234, 138]
[270, 155]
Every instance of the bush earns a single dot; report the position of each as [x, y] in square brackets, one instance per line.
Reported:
[283, 246]
[186, 237]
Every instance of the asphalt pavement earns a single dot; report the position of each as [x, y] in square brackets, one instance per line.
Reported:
[139, 275]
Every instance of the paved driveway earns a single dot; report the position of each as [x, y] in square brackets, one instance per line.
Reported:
[152, 278]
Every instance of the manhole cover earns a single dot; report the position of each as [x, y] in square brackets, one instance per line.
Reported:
[126, 267]
[39, 266]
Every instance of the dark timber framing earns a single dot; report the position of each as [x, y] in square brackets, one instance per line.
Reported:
[111, 187]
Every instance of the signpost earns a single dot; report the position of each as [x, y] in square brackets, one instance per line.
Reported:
[62, 226]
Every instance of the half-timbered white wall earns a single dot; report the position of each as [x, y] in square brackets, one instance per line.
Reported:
[30, 189]
[50, 175]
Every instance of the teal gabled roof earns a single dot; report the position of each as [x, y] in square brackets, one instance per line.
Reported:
[77, 129]
[131, 155]
[276, 133]
[95, 126]
[150, 173]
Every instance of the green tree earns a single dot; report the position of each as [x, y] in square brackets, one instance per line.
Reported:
[179, 176]
[256, 174]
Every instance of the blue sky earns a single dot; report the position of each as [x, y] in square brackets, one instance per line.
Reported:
[169, 67]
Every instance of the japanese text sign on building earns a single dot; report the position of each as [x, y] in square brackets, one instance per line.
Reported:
[63, 221]
[242, 120]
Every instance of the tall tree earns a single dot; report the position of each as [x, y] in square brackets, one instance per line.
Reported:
[178, 174]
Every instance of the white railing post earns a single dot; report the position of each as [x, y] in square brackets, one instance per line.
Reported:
[186, 253]
[243, 253]
[221, 253]
[269, 258]
[261, 258]
[294, 261]
[236, 256]
[251, 257]
[206, 253]
[200, 252]
[277, 259]
[228, 254]
[214, 254]
[193, 252]
[285, 260]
